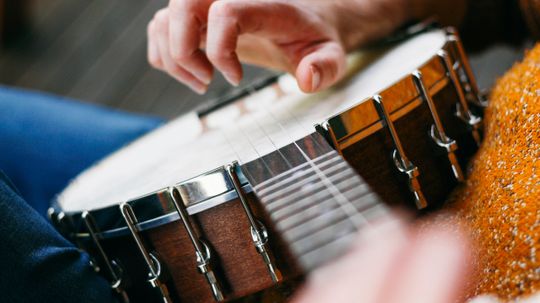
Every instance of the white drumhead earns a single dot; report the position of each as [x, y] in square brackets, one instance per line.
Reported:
[187, 147]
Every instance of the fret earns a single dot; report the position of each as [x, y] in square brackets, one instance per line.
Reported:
[321, 237]
[320, 255]
[314, 225]
[318, 203]
[333, 232]
[299, 214]
[305, 188]
[305, 176]
[307, 198]
[332, 217]
[277, 162]
[297, 172]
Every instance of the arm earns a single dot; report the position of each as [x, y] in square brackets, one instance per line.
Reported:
[308, 38]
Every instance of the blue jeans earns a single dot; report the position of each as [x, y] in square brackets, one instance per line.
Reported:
[45, 141]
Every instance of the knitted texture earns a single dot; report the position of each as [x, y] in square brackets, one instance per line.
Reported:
[500, 202]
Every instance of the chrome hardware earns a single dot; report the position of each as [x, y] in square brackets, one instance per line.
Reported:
[450, 146]
[202, 251]
[54, 218]
[154, 266]
[65, 226]
[437, 132]
[403, 164]
[115, 274]
[463, 112]
[51, 214]
[471, 85]
[259, 234]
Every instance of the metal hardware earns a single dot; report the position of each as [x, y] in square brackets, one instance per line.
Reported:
[471, 85]
[259, 234]
[403, 164]
[437, 132]
[202, 251]
[54, 218]
[325, 129]
[66, 227]
[115, 274]
[463, 112]
[51, 214]
[154, 266]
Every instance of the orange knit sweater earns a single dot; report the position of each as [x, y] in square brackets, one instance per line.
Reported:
[500, 202]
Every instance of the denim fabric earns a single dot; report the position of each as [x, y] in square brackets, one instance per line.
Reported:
[45, 141]
[38, 264]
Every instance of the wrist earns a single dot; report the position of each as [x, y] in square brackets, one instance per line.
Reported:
[363, 21]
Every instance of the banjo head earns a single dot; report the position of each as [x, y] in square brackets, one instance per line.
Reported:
[192, 151]
[151, 197]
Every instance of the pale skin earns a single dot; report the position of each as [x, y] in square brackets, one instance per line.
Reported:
[392, 262]
[307, 38]
[191, 39]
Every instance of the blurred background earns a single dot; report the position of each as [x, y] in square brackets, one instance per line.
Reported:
[95, 51]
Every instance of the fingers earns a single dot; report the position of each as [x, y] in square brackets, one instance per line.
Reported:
[318, 60]
[432, 270]
[361, 275]
[321, 67]
[227, 20]
[187, 20]
[160, 56]
[224, 19]
[311, 51]
[393, 263]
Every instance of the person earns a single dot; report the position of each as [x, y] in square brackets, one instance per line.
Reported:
[260, 33]
[46, 141]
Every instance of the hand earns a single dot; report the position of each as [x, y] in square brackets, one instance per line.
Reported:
[308, 38]
[394, 263]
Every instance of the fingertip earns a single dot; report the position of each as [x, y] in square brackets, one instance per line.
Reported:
[200, 90]
[321, 68]
[195, 85]
[316, 78]
[205, 71]
[304, 78]
[233, 78]
[311, 79]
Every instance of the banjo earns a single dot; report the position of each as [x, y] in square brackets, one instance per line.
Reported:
[232, 200]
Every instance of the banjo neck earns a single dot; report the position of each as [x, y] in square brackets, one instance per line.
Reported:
[316, 201]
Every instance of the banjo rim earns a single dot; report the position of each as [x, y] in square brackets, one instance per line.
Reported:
[155, 208]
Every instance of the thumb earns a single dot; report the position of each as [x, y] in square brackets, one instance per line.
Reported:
[321, 67]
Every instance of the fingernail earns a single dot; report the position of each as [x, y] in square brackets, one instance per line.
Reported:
[232, 79]
[199, 88]
[203, 77]
[315, 78]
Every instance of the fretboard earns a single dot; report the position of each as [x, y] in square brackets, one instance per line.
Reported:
[315, 199]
